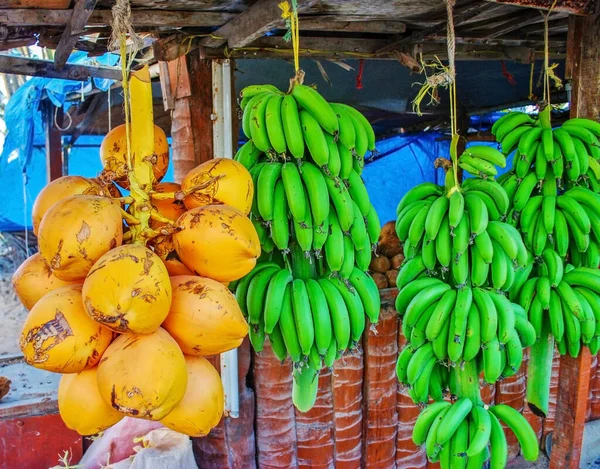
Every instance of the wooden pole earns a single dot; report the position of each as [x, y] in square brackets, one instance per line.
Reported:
[54, 153]
[190, 82]
[583, 68]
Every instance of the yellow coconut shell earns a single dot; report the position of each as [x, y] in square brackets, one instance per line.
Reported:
[128, 290]
[58, 190]
[80, 405]
[176, 267]
[59, 336]
[233, 187]
[113, 151]
[76, 232]
[143, 376]
[205, 318]
[217, 241]
[33, 279]
[202, 405]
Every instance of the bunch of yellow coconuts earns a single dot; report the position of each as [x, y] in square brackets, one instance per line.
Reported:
[127, 321]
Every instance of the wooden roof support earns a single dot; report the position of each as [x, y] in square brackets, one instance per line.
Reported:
[75, 27]
[574, 7]
[45, 68]
[583, 69]
[250, 25]
[460, 15]
[139, 18]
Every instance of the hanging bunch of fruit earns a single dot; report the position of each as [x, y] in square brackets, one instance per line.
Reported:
[309, 292]
[462, 263]
[128, 294]
[554, 198]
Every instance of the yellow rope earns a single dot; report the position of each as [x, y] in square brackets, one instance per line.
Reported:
[290, 14]
[548, 71]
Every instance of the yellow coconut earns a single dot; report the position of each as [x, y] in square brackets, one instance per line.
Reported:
[80, 405]
[76, 232]
[113, 154]
[59, 336]
[217, 241]
[175, 267]
[233, 187]
[205, 318]
[143, 376]
[33, 279]
[202, 405]
[128, 290]
[58, 190]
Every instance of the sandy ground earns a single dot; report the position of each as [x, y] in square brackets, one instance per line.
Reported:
[12, 315]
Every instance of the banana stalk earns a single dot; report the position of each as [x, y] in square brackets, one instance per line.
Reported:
[466, 382]
[539, 373]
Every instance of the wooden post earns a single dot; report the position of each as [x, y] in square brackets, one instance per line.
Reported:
[54, 154]
[583, 68]
[190, 81]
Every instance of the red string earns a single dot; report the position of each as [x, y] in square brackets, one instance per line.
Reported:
[359, 75]
[507, 74]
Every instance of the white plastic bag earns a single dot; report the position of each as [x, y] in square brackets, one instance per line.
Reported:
[161, 449]
[139, 444]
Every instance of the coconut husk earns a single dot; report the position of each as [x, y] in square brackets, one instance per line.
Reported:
[380, 280]
[389, 244]
[397, 261]
[391, 276]
[380, 264]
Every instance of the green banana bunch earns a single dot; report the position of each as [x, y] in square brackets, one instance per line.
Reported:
[287, 124]
[466, 434]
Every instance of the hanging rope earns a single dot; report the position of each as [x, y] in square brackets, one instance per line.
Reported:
[290, 14]
[444, 76]
[121, 30]
[67, 114]
[549, 70]
[359, 75]
[531, 96]
[506, 74]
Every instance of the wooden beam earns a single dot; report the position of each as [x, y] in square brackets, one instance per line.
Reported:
[560, 24]
[574, 7]
[329, 23]
[75, 27]
[583, 69]
[139, 18]
[253, 23]
[54, 154]
[526, 18]
[460, 15]
[45, 68]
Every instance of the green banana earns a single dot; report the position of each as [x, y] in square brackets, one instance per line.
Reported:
[318, 108]
[274, 298]
[320, 315]
[302, 316]
[292, 128]
[340, 318]
[294, 191]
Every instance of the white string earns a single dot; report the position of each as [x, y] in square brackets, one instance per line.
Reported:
[109, 113]
[62, 129]
[24, 184]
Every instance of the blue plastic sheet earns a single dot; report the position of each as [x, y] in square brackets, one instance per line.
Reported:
[403, 162]
[23, 162]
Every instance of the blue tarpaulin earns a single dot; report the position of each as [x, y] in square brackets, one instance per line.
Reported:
[23, 162]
